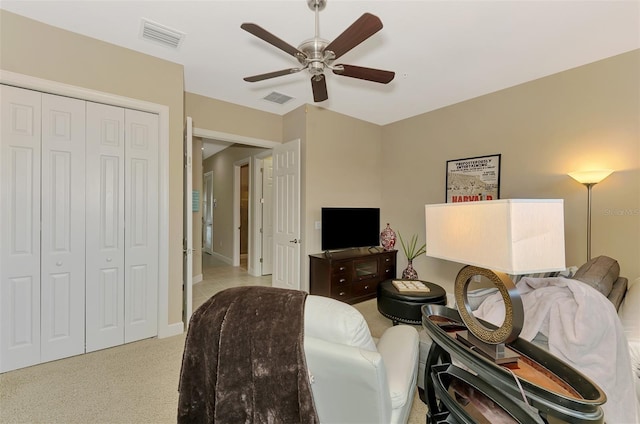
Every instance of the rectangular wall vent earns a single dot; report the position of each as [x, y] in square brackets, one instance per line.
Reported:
[161, 34]
[276, 97]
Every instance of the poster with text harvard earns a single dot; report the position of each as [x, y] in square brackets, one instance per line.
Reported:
[473, 179]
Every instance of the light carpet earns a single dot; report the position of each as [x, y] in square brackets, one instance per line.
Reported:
[132, 383]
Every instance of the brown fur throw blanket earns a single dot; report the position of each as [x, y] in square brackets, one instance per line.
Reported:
[244, 362]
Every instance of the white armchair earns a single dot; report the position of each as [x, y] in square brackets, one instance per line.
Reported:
[353, 379]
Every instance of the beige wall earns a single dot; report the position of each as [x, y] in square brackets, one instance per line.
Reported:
[32, 48]
[343, 167]
[584, 118]
[217, 115]
[222, 166]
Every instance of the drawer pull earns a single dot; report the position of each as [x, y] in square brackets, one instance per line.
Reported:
[342, 268]
[342, 280]
[387, 259]
[386, 271]
[342, 294]
[366, 287]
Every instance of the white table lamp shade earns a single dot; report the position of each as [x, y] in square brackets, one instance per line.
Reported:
[514, 236]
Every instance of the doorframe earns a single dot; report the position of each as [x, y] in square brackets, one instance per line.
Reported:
[209, 196]
[165, 328]
[248, 141]
[237, 165]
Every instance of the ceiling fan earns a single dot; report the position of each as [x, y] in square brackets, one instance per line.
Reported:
[316, 55]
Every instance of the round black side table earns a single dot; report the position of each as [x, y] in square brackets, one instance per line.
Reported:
[405, 307]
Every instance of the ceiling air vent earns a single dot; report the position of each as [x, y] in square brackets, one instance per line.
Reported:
[276, 97]
[161, 34]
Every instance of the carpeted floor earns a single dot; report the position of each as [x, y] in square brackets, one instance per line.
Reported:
[133, 383]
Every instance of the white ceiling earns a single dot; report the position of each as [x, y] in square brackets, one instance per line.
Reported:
[211, 147]
[443, 52]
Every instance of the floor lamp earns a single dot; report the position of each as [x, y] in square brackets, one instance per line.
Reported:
[589, 179]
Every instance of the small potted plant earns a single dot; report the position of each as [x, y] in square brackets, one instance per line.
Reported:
[411, 251]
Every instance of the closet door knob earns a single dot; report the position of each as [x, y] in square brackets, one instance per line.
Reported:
[59, 263]
[109, 259]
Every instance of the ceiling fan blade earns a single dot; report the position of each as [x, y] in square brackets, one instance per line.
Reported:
[360, 30]
[319, 86]
[274, 74]
[265, 35]
[369, 74]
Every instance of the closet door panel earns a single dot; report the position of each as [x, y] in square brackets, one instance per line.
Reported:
[141, 237]
[63, 227]
[20, 132]
[105, 226]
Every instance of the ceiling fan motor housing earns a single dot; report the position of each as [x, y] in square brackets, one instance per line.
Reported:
[316, 4]
[315, 57]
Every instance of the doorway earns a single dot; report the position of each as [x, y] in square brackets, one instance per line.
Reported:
[207, 213]
[244, 215]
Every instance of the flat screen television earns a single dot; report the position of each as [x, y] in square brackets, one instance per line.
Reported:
[344, 228]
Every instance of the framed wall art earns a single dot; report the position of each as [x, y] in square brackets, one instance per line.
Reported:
[473, 179]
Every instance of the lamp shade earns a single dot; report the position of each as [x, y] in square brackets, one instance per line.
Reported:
[515, 236]
[590, 177]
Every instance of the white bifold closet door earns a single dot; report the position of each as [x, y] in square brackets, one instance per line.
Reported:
[78, 226]
[62, 234]
[42, 267]
[20, 228]
[122, 225]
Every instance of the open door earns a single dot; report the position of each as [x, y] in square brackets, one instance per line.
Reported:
[267, 216]
[286, 229]
[187, 267]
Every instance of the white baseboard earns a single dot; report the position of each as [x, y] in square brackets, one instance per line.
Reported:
[197, 279]
[225, 259]
[171, 330]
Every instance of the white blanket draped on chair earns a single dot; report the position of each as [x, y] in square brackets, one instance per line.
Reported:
[583, 330]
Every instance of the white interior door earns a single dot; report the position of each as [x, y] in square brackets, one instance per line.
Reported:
[105, 227]
[141, 217]
[20, 139]
[267, 216]
[286, 231]
[187, 268]
[63, 227]
[207, 213]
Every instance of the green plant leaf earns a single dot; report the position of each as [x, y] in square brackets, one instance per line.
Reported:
[409, 249]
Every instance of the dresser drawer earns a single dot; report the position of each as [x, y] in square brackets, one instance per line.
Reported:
[342, 268]
[340, 279]
[341, 292]
[363, 288]
[387, 264]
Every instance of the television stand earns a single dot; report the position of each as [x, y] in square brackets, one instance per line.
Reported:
[351, 275]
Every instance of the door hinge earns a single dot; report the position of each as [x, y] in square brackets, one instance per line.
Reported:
[260, 260]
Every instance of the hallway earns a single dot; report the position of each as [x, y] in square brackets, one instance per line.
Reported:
[218, 276]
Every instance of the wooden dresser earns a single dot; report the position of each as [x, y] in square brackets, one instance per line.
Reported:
[351, 275]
